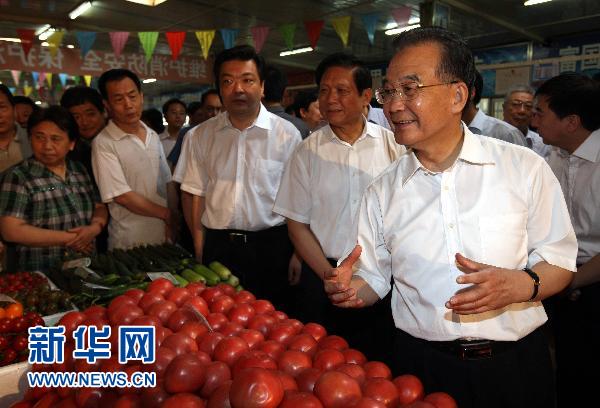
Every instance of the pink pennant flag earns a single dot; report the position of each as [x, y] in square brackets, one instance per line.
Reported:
[259, 34]
[41, 79]
[118, 40]
[16, 75]
[401, 15]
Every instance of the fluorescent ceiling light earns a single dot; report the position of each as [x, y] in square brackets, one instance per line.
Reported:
[148, 2]
[296, 51]
[399, 30]
[38, 102]
[148, 80]
[16, 40]
[412, 20]
[79, 10]
[42, 29]
[534, 2]
[71, 46]
[46, 34]
[45, 44]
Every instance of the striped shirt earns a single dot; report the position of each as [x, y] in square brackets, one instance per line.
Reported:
[33, 193]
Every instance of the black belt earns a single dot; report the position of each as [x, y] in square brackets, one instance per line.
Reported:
[479, 349]
[248, 237]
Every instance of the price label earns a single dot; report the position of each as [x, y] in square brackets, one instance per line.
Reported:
[167, 275]
[94, 286]
[74, 263]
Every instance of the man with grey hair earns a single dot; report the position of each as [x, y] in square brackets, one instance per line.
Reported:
[518, 111]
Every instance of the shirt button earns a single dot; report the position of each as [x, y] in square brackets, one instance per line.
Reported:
[446, 188]
[450, 225]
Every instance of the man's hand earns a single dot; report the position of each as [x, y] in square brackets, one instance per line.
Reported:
[490, 288]
[171, 225]
[337, 282]
[84, 237]
[294, 270]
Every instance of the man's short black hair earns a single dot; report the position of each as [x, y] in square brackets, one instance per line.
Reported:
[170, 102]
[58, 115]
[360, 73]
[303, 100]
[23, 100]
[478, 88]
[154, 119]
[207, 93]
[456, 59]
[275, 83]
[192, 107]
[4, 89]
[78, 95]
[116, 75]
[573, 94]
[239, 53]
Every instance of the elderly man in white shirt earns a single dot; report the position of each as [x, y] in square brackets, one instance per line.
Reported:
[234, 167]
[322, 187]
[130, 166]
[567, 115]
[473, 231]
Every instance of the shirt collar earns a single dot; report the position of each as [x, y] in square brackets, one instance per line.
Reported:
[263, 120]
[117, 133]
[38, 169]
[472, 152]
[590, 149]
[369, 129]
[164, 134]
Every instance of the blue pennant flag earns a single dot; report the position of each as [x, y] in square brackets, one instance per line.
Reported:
[63, 79]
[85, 39]
[370, 21]
[35, 76]
[229, 35]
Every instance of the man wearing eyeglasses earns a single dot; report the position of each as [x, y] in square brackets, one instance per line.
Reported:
[473, 231]
[518, 110]
[321, 189]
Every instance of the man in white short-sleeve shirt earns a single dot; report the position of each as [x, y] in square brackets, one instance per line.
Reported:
[130, 166]
[234, 166]
[455, 222]
[567, 115]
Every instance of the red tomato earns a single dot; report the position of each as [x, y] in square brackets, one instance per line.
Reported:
[272, 348]
[441, 400]
[410, 388]
[119, 301]
[178, 318]
[419, 404]
[19, 324]
[161, 334]
[82, 366]
[377, 369]
[216, 320]
[205, 358]
[222, 304]
[180, 343]
[328, 359]
[71, 320]
[163, 358]
[226, 288]
[89, 397]
[195, 288]
[162, 309]
[303, 342]
[243, 296]
[209, 342]
[96, 311]
[220, 397]
[381, 390]
[217, 373]
[185, 373]
[281, 333]
[279, 315]
[230, 329]
[19, 342]
[306, 379]
[111, 365]
[353, 356]
[149, 299]
[353, 370]
[154, 397]
[262, 323]
[254, 358]
[337, 390]
[366, 402]
[178, 296]
[209, 294]
[147, 321]
[193, 330]
[230, 349]
[135, 294]
[252, 337]
[256, 387]
[160, 285]
[48, 400]
[241, 313]
[295, 323]
[129, 401]
[300, 399]
[287, 382]
[293, 362]
[262, 306]
[95, 321]
[333, 342]
[124, 315]
[182, 400]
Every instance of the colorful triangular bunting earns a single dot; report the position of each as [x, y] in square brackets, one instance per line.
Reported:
[341, 26]
[118, 40]
[259, 35]
[175, 40]
[370, 22]
[16, 75]
[401, 15]
[288, 31]
[87, 79]
[26, 37]
[148, 40]
[63, 79]
[313, 30]
[229, 35]
[205, 38]
[54, 41]
[86, 40]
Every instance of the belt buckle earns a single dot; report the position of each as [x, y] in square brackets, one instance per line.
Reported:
[475, 350]
[238, 237]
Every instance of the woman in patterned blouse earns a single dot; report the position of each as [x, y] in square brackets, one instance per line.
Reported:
[48, 203]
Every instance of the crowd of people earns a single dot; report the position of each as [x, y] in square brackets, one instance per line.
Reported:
[423, 230]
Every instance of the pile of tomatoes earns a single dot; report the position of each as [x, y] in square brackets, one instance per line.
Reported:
[13, 333]
[251, 356]
[14, 282]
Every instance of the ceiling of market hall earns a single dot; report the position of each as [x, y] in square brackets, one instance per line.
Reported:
[484, 23]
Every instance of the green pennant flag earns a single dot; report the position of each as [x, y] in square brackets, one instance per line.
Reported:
[148, 40]
[288, 31]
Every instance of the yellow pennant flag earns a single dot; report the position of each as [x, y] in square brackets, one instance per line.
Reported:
[49, 79]
[54, 41]
[342, 28]
[205, 38]
[87, 79]
[27, 90]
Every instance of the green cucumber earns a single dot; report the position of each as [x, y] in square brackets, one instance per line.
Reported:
[211, 278]
[233, 281]
[192, 276]
[182, 281]
[220, 269]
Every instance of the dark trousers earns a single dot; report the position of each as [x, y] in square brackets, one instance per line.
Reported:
[517, 375]
[575, 323]
[259, 258]
[369, 329]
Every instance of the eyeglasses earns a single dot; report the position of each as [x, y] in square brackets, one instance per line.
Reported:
[405, 91]
[520, 104]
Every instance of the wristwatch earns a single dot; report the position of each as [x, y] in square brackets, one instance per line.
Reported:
[536, 282]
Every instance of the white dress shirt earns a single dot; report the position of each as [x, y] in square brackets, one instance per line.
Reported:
[238, 172]
[167, 142]
[179, 170]
[496, 128]
[499, 204]
[377, 116]
[123, 163]
[579, 177]
[326, 177]
[536, 143]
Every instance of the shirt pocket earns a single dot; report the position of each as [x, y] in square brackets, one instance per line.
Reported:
[504, 239]
[267, 176]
